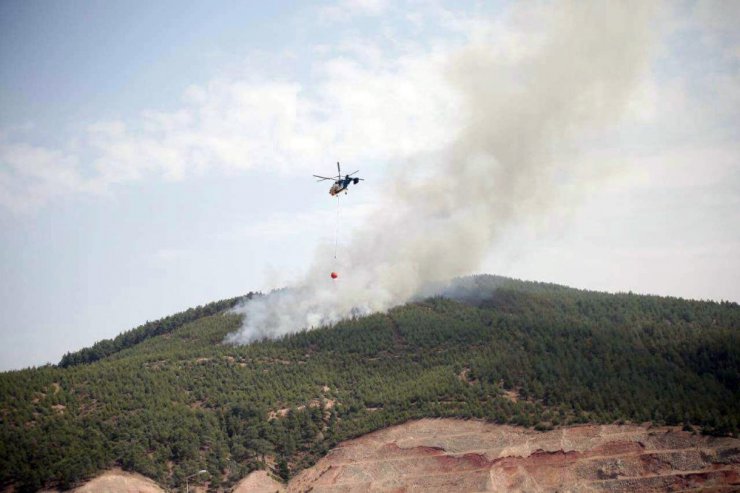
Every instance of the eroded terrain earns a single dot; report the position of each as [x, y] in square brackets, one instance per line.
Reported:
[454, 455]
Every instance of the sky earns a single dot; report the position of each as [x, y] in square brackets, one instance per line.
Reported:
[158, 157]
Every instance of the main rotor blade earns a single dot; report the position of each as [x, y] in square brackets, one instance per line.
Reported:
[322, 178]
[339, 170]
[353, 173]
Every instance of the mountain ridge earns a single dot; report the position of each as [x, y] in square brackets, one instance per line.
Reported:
[469, 289]
[132, 337]
[525, 354]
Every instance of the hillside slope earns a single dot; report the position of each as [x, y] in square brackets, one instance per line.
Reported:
[528, 354]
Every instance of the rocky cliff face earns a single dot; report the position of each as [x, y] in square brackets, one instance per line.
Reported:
[447, 455]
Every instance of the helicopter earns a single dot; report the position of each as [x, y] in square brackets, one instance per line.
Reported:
[340, 184]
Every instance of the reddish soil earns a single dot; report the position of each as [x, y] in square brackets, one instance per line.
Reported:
[447, 455]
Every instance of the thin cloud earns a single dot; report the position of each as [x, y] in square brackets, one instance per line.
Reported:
[394, 108]
[345, 10]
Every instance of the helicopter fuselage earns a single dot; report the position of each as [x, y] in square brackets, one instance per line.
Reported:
[341, 185]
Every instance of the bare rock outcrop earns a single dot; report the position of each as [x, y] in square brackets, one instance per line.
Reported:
[117, 481]
[259, 482]
[446, 455]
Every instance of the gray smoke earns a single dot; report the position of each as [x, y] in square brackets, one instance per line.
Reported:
[443, 212]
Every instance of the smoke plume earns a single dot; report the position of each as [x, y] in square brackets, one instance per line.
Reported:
[442, 213]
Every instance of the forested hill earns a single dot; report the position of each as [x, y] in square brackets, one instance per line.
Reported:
[528, 354]
[130, 338]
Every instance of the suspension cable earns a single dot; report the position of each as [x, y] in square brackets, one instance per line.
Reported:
[336, 233]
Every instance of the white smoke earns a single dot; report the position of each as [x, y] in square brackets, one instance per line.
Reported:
[443, 212]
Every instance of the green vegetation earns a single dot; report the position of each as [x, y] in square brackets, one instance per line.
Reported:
[130, 338]
[529, 354]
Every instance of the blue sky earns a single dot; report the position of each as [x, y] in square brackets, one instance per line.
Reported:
[159, 156]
